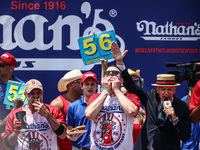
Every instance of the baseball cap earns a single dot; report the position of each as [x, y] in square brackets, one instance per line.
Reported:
[89, 75]
[8, 59]
[33, 84]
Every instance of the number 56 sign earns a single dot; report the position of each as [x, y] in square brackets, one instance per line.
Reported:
[14, 90]
[96, 47]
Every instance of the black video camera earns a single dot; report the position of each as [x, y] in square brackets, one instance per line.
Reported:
[189, 72]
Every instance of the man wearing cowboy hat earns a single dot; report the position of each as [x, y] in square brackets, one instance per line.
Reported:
[70, 82]
[135, 74]
[159, 130]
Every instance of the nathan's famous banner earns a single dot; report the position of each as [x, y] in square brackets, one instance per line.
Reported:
[43, 36]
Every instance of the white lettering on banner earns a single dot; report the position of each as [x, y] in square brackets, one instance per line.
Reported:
[169, 31]
[72, 21]
[11, 40]
[38, 42]
[47, 64]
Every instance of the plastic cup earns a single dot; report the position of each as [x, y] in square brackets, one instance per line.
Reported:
[21, 116]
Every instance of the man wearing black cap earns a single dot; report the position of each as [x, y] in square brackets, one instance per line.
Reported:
[163, 129]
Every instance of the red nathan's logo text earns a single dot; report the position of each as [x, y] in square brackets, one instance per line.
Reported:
[48, 5]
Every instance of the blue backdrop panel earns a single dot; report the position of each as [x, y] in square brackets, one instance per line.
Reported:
[44, 38]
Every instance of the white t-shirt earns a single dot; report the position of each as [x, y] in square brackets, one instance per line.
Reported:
[39, 134]
[112, 128]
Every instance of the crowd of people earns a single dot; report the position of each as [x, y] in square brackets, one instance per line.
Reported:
[123, 116]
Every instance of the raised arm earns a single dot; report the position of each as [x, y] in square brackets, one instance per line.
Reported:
[104, 65]
[117, 54]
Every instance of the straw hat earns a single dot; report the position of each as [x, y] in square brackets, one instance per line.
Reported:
[133, 72]
[68, 78]
[166, 80]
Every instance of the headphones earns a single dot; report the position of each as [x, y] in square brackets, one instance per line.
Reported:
[137, 73]
[141, 82]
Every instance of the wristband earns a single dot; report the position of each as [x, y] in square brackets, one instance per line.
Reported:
[60, 130]
[175, 122]
[106, 92]
[191, 88]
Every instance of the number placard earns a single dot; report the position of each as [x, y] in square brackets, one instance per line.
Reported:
[14, 90]
[96, 47]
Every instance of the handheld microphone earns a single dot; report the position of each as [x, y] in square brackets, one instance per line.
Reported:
[167, 103]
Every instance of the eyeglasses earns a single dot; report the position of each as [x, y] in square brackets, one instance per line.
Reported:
[2, 65]
[136, 80]
[113, 72]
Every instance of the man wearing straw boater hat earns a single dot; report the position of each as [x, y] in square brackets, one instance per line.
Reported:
[163, 129]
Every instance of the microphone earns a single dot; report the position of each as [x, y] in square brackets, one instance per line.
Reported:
[170, 64]
[167, 103]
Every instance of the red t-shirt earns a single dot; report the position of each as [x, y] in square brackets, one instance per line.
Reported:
[132, 97]
[38, 128]
[195, 98]
[136, 130]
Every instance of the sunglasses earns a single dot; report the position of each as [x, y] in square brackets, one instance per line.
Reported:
[2, 65]
[136, 80]
[76, 81]
[113, 72]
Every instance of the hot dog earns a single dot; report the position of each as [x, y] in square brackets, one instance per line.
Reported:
[37, 99]
[78, 128]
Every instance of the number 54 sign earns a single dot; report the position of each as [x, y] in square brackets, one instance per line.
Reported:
[96, 47]
[14, 90]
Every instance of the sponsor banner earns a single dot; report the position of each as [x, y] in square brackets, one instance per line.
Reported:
[97, 46]
[43, 36]
[14, 90]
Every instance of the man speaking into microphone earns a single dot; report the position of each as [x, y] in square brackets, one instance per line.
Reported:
[166, 125]
[167, 122]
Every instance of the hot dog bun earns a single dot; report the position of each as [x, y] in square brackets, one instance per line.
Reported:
[78, 128]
